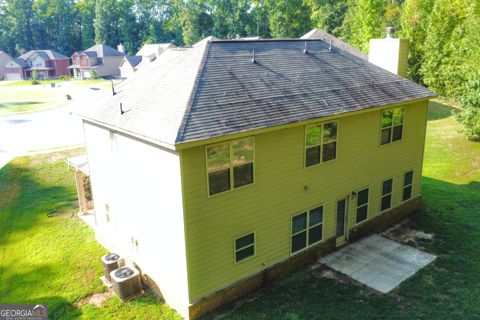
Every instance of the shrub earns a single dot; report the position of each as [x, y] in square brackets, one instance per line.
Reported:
[93, 74]
[64, 78]
[35, 82]
[469, 113]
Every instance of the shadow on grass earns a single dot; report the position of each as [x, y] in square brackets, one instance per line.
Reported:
[32, 280]
[23, 199]
[437, 111]
[445, 289]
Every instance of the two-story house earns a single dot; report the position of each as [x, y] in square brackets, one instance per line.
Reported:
[224, 165]
[100, 60]
[4, 59]
[38, 64]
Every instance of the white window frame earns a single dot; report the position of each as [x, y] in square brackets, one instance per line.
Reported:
[307, 229]
[392, 125]
[408, 185]
[235, 249]
[322, 143]
[384, 195]
[231, 165]
[366, 204]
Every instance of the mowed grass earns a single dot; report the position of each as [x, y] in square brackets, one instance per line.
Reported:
[28, 99]
[447, 289]
[54, 260]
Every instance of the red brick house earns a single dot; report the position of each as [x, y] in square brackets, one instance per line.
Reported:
[41, 64]
[99, 59]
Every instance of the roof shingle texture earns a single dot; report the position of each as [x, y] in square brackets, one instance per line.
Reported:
[45, 54]
[214, 89]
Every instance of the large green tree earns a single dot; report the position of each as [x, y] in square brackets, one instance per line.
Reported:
[107, 22]
[363, 21]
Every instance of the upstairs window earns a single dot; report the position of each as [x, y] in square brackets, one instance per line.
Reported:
[386, 201]
[244, 247]
[230, 165]
[407, 185]
[392, 125]
[307, 229]
[320, 143]
[362, 205]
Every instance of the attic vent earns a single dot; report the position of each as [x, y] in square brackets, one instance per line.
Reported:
[253, 58]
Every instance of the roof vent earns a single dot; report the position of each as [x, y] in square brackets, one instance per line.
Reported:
[305, 49]
[253, 58]
[390, 32]
[121, 109]
[330, 46]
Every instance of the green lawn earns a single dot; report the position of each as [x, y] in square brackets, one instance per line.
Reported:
[22, 83]
[56, 260]
[19, 99]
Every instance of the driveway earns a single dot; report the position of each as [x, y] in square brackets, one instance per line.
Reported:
[40, 131]
[378, 262]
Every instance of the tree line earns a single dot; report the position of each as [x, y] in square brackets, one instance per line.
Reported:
[443, 36]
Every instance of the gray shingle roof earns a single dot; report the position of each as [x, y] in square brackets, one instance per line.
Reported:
[133, 60]
[45, 54]
[102, 50]
[322, 35]
[214, 89]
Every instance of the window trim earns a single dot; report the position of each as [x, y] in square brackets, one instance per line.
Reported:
[368, 204]
[254, 245]
[391, 194]
[307, 228]
[391, 133]
[403, 185]
[231, 166]
[321, 144]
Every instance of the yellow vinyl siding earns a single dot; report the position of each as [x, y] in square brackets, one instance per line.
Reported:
[284, 187]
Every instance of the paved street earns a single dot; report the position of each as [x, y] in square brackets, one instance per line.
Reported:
[40, 131]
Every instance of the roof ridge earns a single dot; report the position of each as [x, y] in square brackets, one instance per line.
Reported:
[187, 114]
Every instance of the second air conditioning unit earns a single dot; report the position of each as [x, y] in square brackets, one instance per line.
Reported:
[126, 282]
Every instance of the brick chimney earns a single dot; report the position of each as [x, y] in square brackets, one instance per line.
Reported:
[390, 53]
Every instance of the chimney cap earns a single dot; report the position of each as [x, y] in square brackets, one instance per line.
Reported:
[390, 31]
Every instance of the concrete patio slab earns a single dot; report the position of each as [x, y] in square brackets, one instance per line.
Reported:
[378, 262]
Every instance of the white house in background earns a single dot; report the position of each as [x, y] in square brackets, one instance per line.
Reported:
[4, 58]
[147, 54]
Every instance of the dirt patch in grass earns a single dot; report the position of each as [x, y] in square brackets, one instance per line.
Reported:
[403, 233]
[96, 299]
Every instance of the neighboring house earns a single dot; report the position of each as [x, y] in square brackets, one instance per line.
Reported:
[147, 54]
[4, 59]
[15, 69]
[45, 64]
[41, 64]
[228, 164]
[102, 59]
